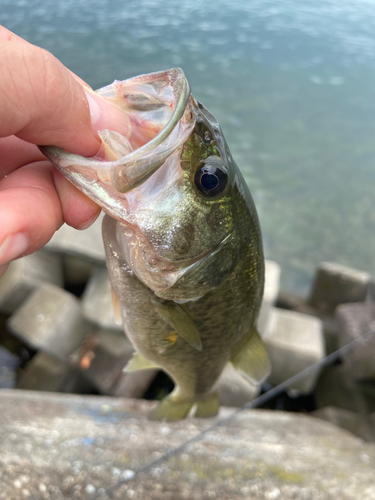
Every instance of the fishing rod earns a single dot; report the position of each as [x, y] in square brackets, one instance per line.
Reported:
[264, 398]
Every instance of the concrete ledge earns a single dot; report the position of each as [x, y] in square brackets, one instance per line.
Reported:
[55, 447]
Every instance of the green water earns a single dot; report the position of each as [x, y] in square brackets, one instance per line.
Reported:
[292, 84]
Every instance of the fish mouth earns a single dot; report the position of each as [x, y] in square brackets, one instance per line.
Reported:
[161, 100]
[162, 275]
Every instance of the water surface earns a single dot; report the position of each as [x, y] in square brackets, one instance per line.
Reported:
[292, 84]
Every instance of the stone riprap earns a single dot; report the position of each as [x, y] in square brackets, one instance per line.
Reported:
[50, 319]
[103, 361]
[24, 275]
[97, 302]
[294, 342]
[57, 447]
[335, 284]
[337, 388]
[44, 373]
[87, 245]
[271, 290]
[359, 425]
[355, 320]
[233, 390]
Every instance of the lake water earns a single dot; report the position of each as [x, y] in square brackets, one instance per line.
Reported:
[292, 84]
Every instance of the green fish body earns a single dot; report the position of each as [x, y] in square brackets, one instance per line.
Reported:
[182, 239]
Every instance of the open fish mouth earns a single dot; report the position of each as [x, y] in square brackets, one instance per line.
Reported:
[158, 101]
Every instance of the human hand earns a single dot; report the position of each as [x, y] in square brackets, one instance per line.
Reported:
[42, 102]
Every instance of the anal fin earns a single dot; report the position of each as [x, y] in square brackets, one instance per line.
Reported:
[171, 409]
[251, 360]
[138, 362]
[208, 408]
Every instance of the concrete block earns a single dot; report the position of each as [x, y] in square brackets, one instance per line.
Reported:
[103, 357]
[372, 421]
[233, 390]
[337, 388]
[353, 422]
[48, 373]
[51, 320]
[271, 290]
[87, 244]
[367, 390]
[355, 320]
[8, 365]
[134, 385]
[335, 284]
[294, 342]
[76, 270]
[24, 275]
[97, 301]
[44, 373]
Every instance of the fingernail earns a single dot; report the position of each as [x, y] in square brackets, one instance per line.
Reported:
[90, 221]
[94, 109]
[13, 247]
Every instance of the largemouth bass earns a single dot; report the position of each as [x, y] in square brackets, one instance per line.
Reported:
[182, 239]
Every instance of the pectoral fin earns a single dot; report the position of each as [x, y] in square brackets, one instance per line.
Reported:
[252, 361]
[176, 316]
[137, 363]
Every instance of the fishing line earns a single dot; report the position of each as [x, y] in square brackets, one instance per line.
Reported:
[264, 398]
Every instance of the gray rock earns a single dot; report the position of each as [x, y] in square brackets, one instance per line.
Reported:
[76, 270]
[134, 385]
[24, 275]
[233, 390]
[357, 424]
[294, 342]
[372, 421]
[87, 244]
[97, 301]
[59, 446]
[104, 358]
[355, 320]
[51, 320]
[335, 284]
[48, 373]
[271, 290]
[367, 391]
[337, 388]
[44, 373]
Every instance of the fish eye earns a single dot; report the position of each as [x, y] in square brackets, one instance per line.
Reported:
[211, 177]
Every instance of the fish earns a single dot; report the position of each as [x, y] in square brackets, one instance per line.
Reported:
[182, 239]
